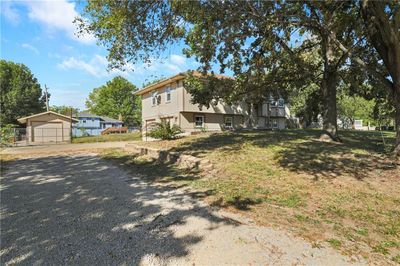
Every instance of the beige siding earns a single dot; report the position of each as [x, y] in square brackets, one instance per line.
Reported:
[48, 128]
[212, 122]
[220, 108]
[164, 109]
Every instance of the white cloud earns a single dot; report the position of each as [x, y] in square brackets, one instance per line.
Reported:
[9, 12]
[30, 47]
[96, 67]
[178, 60]
[57, 16]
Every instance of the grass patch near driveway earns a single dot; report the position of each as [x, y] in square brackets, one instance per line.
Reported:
[345, 195]
[111, 137]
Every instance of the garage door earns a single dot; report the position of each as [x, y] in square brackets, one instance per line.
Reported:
[47, 132]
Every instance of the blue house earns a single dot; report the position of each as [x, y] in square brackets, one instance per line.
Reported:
[93, 125]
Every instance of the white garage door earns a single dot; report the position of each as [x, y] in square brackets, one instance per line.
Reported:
[47, 132]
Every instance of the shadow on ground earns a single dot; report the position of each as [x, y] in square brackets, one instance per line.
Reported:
[83, 210]
[301, 151]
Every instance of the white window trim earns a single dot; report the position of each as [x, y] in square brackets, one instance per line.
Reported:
[202, 117]
[154, 98]
[168, 91]
[273, 123]
[231, 117]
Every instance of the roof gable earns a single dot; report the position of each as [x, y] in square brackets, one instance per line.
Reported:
[23, 120]
[177, 77]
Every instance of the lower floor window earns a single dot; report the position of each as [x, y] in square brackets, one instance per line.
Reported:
[275, 123]
[199, 121]
[229, 121]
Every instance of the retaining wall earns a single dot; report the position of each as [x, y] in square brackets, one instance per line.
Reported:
[184, 161]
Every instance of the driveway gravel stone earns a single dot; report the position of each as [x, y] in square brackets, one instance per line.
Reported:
[78, 209]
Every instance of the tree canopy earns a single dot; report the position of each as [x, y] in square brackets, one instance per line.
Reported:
[357, 42]
[115, 99]
[64, 109]
[20, 93]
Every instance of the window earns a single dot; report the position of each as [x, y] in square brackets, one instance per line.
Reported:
[83, 121]
[199, 121]
[228, 121]
[92, 119]
[274, 123]
[281, 102]
[154, 98]
[168, 95]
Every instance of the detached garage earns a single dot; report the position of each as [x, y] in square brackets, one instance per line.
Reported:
[48, 127]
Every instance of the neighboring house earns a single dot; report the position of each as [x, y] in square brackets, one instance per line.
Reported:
[169, 100]
[47, 127]
[93, 125]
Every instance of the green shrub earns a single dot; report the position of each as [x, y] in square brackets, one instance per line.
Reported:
[165, 131]
[6, 134]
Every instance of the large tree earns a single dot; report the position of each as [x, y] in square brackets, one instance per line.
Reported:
[20, 93]
[252, 39]
[116, 99]
[255, 40]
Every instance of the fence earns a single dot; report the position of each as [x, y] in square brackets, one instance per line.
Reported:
[34, 136]
[89, 132]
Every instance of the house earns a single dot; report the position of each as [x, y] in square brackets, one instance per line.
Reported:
[48, 127]
[92, 125]
[168, 99]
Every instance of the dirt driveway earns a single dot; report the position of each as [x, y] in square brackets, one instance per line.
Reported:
[80, 209]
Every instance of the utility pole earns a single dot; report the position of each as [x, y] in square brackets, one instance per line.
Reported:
[47, 98]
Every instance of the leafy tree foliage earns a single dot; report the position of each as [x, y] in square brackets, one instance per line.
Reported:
[21, 94]
[355, 107]
[152, 80]
[254, 40]
[115, 99]
[64, 110]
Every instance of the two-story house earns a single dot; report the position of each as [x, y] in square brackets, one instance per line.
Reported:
[168, 99]
[92, 125]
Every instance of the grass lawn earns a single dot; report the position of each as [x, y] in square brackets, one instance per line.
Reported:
[344, 195]
[111, 137]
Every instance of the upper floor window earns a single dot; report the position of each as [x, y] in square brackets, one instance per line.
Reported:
[168, 94]
[281, 102]
[154, 98]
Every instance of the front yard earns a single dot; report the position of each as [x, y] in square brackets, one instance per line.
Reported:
[345, 195]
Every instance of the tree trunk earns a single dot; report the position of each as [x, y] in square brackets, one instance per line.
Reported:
[328, 87]
[383, 33]
[397, 119]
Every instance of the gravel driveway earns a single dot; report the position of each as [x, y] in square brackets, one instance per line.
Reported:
[80, 209]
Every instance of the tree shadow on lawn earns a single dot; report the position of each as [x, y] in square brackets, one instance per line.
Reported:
[234, 141]
[83, 210]
[301, 151]
[360, 155]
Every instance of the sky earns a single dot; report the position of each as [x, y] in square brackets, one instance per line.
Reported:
[41, 35]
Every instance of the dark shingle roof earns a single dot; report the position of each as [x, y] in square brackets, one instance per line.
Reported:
[110, 120]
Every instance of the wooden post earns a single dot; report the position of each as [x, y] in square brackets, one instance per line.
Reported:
[70, 126]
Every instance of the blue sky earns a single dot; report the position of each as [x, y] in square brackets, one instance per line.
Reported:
[41, 35]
